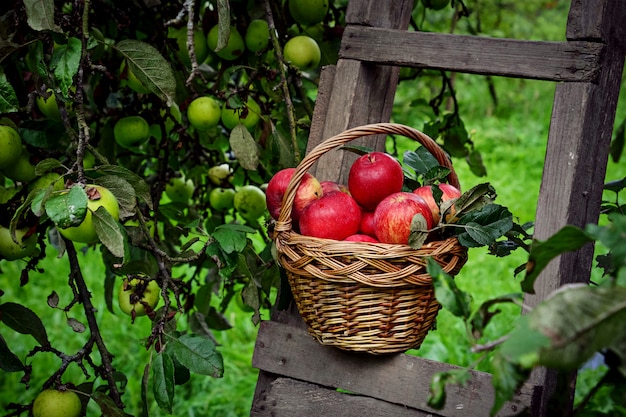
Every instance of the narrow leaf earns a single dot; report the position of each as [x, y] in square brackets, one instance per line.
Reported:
[109, 231]
[41, 15]
[447, 293]
[163, 381]
[8, 98]
[223, 21]
[475, 198]
[150, 68]
[107, 405]
[245, 147]
[68, 209]
[199, 355]
[569, 238]
[65, 61]
[419, 231]
[9, 362]
[24, 321]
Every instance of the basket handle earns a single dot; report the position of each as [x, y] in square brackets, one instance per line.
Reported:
[284, 218]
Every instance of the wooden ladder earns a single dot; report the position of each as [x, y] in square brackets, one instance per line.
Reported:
[299, 377]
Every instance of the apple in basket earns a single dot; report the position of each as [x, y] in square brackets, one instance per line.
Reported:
[374, 176]
[394, 214]
[335, 215]
[329, 186]
[448, 193]
[309, 190]
[367, 224]
[359, 237]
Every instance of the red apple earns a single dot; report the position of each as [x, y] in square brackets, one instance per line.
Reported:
[329, 186]
[426, 192]
[334, 216]
[309, 190]
[367, 224]
[393, 216]
[373, 177]
[361, 238]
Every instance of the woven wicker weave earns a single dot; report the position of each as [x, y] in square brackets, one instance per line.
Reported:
[359, 296]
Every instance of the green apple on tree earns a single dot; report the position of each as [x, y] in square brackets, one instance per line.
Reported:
[49, 107]
[257, 35]
[25, 245]
[138, 296]
[131, 79]
[249, 201]
[222, 199]
[179, 190]
[308, 12]
[302, 52]
[22, 169]
[219, 174]
[85, 232]
[204, 113]
[201, 48]
[235, 46]
[56, 403]
[248, 115]
[11, 145]
[131, 131]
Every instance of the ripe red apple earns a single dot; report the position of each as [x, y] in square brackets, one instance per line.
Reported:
[359, 237]
[373, 177]
[393, 216]
[426, 192]
[329, 186]
[367, 224]
[309, 190]
[334, 216]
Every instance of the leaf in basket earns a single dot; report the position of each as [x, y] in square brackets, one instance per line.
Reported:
[475, 198]
[419, 231]
[423, 164]
[437, 395]
[483, 227]
[447, 293]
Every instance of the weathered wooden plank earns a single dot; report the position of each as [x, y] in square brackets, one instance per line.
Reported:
[399, 379]
[554, 61]
[293, 398]
[587, 20]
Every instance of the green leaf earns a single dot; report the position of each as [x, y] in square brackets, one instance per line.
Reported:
[481, 317]
[163, 381]
[484, 226]
[447, 293]
[507, 378]
[9, 361]
[216, 320]
[617, 143]
[141, 187]
[107, 405]
[223, 21]
[476, 165]
[569, 238]
[46, 134]
[24, 321]
[47, 165]
[199, 355]
[437, 388]
[65, 61]
[123, 191]
[41, 15]
[421, 161]
[109, 232]
[68, 209]
[232, 237]
[8, 98]
[245, 147]
[419, 231]
[475, 198]
[150, 68]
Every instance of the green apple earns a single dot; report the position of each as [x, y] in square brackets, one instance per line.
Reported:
[49, 106]
[249, 201]
[22, 169]
[86, 231]
[179, 190]
[235, 46]
[55, 403]
[7, 193]
[199, 42]
[222, 199]
[248, 115]
[257, 35]
[131, 131]
[23, 247]
[218, 174]
[435, 4]
[89, 160]
[204, 113]
[11, 145]
[131, 79]
[303, 52]
[138, 296]
[308, 12]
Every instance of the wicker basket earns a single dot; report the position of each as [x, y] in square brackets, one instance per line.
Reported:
[358, 296]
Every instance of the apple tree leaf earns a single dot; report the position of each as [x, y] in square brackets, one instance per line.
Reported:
[507, 378]
[223, 16]
[9, 362]
[109, 231]
[107, 405]
[475, 198]
[232, 237]
[245, 147]
[68, 209]
[47, 134]
[450, 297]
[24, 321]
[41, 15]
[199, 355]
[419, 231]
[484, 226]
[65, 61]
[483, 315]
[141, 187]
[150, 68]
[163, 381]
[8, 98]
[123, 191]
[76, 325]
[421, 163]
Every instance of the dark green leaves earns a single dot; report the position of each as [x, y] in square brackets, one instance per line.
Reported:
[8, 98]
[64, 63]
[24, 321]
[68, 209]
[447, 293]
[199, 355]
[163, 381]
[9, 362]
[482, 227]
[232, 237]
[41, 15]
[245, 147]
[425, 167]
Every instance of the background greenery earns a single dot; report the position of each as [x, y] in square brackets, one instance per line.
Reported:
[511, 136]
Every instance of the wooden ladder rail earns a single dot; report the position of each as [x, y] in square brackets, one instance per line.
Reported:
[297, 374]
